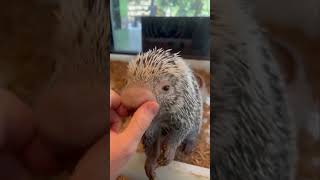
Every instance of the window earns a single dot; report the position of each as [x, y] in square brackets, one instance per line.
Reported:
[129, 16]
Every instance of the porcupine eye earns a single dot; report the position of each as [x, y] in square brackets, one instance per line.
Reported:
[166, 88]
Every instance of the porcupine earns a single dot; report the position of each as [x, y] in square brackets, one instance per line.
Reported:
[163, 76]
[253, 134]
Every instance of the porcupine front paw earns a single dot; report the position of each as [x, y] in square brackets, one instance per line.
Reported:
[167, 156]
[150, 168]
[188, 146]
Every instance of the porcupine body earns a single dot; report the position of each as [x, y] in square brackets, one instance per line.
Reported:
[253, 134]
[175, 88]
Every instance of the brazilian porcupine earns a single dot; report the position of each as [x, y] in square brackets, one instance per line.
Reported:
[253, 134]
[165, 77]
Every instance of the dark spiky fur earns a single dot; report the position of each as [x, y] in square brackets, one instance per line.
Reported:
[253, 136]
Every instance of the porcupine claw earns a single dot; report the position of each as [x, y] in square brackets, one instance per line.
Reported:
[188, 146]
[168, 156]
[149, 168]
[152, 151]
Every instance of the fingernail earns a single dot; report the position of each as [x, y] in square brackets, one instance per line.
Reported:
[153, 107]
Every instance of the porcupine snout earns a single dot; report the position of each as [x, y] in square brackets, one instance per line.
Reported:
[133, 97]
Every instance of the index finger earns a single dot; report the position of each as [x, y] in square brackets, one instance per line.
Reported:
[140, 122]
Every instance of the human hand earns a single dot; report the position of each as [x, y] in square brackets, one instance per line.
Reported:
[21, 153]
[124, 144]
[19, 146]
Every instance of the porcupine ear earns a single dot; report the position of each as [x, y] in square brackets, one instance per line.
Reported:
[199, 79]
[286, 60]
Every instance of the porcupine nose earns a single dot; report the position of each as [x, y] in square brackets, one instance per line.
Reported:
[133, 97]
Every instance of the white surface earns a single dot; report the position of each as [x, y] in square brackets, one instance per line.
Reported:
[175, 170]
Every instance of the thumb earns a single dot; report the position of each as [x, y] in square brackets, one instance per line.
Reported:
[140, 121]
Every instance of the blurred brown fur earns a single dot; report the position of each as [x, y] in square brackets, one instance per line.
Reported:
[26, 46]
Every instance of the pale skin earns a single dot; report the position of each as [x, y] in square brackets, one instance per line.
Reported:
[124, 144]
[20, 151]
